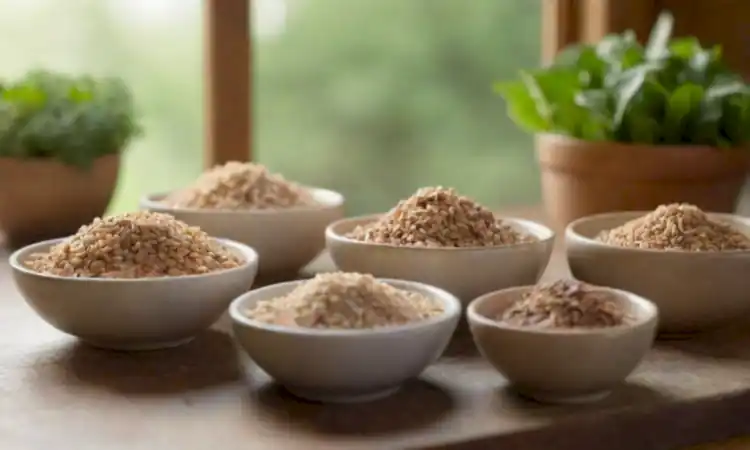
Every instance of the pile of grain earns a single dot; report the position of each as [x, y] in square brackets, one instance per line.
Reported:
[677, 227]
[134, 245]
[438, 217]
[239, 186]
[345, 301]
[565, 304]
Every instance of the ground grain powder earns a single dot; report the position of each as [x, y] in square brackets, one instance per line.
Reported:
[345, 301]
[439, 217]
[240, 186]
[565, 304]
[135, 245]
[678, 226]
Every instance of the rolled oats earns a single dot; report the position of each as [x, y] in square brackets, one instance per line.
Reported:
[565, 304]
[438, 217]
[345, 301]
[134, 245]
[238, 186]
[678, 226]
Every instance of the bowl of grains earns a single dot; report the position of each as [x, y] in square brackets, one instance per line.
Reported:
[283, 221]
[134, 281]
[693, 265]
[344, 337]
[564, 341]
[443, 239]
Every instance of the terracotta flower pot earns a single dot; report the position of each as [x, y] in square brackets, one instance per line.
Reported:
[44, 198]
[580, 178]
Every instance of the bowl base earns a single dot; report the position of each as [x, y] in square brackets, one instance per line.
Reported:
[124, 346]
[326, 396]
[562, 398]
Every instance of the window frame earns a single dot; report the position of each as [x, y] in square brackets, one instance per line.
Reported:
[228, 58]
[228, 81]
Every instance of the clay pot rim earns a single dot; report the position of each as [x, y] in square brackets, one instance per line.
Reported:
[53, 159]
[572, 235]
[555, 138]
[636, 162]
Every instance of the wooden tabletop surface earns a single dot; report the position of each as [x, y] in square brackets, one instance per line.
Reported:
[58, 393]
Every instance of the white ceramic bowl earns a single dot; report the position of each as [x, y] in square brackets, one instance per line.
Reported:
[343, 365]
[286, 239]
[562, 365]
[133, 314]
[465, 272]
[694, 291]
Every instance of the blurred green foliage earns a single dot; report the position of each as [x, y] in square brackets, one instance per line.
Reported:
[370, 97]
[72, 119]
[378, 97]
[673, 91]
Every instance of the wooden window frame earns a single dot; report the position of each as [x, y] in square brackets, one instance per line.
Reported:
[228, 81]
[568, 21]
[228, 58]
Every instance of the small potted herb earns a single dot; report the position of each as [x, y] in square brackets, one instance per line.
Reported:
[60, 142]
[625, 127]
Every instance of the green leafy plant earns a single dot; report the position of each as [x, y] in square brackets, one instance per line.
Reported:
[673, 91]
[73, 119]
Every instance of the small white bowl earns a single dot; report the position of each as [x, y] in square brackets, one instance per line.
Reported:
[133, 314]
[343, 366]
[695, 291]
[562, 365]
[286, 239]
[464, 272]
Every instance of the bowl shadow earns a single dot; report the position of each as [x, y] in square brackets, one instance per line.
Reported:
[626, 395]
[207, 361]
[731, 342]
[416, 405]
[462, 343]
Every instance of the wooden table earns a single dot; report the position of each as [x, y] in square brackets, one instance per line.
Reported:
[58, 393]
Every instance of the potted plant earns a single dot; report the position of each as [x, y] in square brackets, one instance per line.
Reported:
[60, 142]
[621, 126]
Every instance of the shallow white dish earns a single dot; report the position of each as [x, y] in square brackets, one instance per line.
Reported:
[562, 365]
[133, 314]
[695, 291]
[464, 272]
[343, 366]
[286, 239]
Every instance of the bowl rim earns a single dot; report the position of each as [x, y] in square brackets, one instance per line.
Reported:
[153, 202]
[525, 224]
[650, 313]
[452, 310]
[248, 253]
[572, 234]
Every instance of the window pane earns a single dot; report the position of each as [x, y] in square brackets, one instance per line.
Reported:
[154, 45]
[376, 98]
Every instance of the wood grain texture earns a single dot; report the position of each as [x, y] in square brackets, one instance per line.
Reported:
[559, 26]
[742, 443]
[599, 18]
[227, 52]
[59, 393]
[722, 22]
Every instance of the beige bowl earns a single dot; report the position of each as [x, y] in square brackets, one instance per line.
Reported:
[694, 291]
[286, 240]
[43, 198]
[133, 314]
[465, 272]
[343, 366]
[562, 365]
